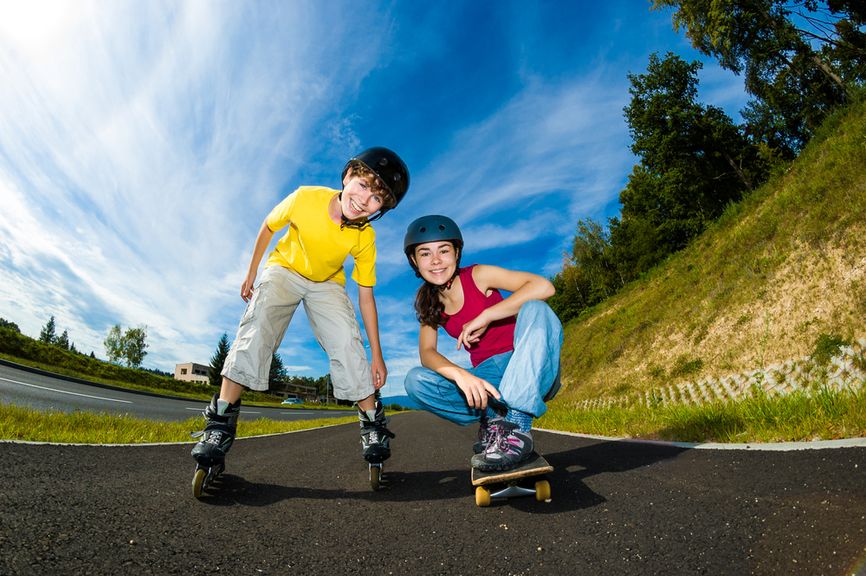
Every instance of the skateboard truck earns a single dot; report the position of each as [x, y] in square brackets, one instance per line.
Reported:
[509, 482]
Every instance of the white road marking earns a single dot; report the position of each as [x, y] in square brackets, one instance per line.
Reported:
[65, 391]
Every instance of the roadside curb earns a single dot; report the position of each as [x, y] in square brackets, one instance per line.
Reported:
[751, 446]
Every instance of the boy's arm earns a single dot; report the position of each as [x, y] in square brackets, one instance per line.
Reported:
[367, 304]
[474, 388]
[262, 241]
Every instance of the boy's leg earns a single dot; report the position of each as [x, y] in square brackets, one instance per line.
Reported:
[531, 374]
[261, 329]
[332, 318]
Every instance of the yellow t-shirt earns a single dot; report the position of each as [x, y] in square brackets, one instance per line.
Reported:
[314, 246]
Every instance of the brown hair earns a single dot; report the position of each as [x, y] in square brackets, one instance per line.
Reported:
[361, 170]
[428, 307]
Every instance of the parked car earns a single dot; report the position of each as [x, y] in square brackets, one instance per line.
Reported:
[292, 400]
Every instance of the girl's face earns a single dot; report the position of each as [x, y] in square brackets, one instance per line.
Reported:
[436, 261]
[360, 199]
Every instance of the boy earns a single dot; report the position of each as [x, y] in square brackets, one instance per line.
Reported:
[325, 226]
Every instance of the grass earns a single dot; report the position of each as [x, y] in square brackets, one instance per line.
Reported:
[825, 415]
[17, 423]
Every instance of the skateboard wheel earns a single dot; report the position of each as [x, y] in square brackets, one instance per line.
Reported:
[542, 491]
[198, 481]
[482, 496]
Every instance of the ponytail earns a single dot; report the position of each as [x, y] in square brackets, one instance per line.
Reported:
[428, 307]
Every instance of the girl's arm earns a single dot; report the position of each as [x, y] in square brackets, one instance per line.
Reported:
[367, 304]
[523, 286]
[474, 388]
[262, 241]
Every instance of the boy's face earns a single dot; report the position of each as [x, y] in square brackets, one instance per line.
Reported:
[361, 198]
[436, 261]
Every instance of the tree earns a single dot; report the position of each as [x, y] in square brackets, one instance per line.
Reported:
[694, 161]
[135, 346]
[48, 333]
[799, 59]
[130, 345]
[114, 344]
[63, 340]
[10, 325]
[218, 360]
[278, 371]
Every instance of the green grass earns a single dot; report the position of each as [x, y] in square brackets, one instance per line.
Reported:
[17, 423]
[825, 415]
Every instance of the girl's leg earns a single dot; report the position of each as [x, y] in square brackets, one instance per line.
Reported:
[534, 366]
[442, 397]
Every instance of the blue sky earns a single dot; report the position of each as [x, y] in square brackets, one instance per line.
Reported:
[143, 143]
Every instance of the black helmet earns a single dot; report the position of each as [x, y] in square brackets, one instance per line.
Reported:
[433, 228]
[388, 167]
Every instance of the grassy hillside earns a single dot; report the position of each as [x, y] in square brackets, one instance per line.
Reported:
[779, 272]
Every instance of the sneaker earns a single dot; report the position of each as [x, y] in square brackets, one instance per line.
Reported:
[508, 449]
[486, 434]
[375, 436]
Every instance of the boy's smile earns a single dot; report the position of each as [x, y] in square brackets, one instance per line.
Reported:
[359, 199]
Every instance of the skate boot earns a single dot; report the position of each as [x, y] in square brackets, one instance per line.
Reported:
[221, 421]
[375, 436]
[375, 441]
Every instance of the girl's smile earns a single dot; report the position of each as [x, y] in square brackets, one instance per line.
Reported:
[436, 261]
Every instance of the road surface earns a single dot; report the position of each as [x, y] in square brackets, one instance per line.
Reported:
[300, 503]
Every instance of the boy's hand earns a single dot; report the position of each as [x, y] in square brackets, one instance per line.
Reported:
[379, 373]
[247, 288]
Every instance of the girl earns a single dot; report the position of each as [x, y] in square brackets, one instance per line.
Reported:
[513, 344]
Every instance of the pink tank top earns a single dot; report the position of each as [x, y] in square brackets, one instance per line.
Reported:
[499, 336]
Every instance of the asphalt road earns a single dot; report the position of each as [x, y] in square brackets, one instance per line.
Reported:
[301, 504]
[44, 391]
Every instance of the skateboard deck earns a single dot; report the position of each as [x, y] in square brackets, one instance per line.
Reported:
[536, 465]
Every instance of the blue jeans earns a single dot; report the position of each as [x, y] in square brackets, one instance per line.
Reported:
[526, 377]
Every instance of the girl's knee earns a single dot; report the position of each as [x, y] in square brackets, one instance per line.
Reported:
[413, 380]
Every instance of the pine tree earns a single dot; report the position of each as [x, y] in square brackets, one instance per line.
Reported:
[63, 340]
[218, 360]
[48, 334]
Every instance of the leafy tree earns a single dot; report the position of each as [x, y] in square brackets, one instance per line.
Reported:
[693, 162]
[48, 333]
[10, 325]
[130, 345]
[278, 371]
[799, 59]
[114, 344]
[218, 360]
[135, 346]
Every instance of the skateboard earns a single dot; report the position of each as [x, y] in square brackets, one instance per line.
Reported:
[508, 483]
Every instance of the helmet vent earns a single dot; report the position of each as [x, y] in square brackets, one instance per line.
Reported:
[423, 229]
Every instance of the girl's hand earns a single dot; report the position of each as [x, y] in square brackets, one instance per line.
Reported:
[379, 372]
[476, 390]
[472, 331]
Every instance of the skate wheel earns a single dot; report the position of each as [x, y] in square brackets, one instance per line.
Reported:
[482, 496]
[542, 491]
[198, 481]
[375, 477]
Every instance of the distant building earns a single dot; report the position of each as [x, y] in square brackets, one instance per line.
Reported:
[192, 372]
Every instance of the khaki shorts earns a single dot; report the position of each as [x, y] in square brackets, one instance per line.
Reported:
[332, 318]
